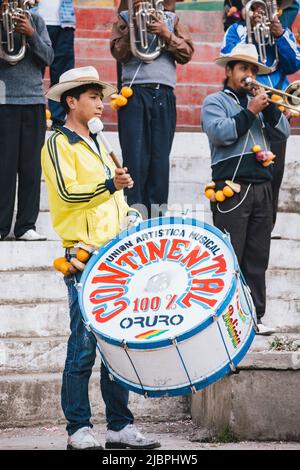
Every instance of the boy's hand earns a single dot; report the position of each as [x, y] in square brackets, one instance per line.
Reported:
[158, 26]
[122, 179]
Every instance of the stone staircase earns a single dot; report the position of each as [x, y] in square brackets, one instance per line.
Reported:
[34, 315]
[33, 309]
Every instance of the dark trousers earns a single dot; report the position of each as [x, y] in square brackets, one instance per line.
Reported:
[249, 226]
[22, 135]
[279, 149]
[146, 131]
[63, 45]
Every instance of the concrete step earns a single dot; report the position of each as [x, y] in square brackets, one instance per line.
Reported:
[47, 354]
[258, 403]
[34, 320]
[27, 287]
[29, 399]
[37, 256]
[48, 286]
[45, 320]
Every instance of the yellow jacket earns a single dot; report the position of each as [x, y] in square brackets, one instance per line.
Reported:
[83, 202]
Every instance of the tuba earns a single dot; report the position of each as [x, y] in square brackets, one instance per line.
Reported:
[139, 17]
[262, 31]
[10, 10]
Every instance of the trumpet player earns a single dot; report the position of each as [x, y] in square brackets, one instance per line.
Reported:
[240, 127]
[147, 122]
[283, 57]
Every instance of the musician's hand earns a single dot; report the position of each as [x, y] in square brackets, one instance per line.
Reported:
[276, 28]
[24, 26]
[259, 102]
[122, 179]
[158, 26]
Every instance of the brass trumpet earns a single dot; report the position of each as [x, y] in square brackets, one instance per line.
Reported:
[291, 95]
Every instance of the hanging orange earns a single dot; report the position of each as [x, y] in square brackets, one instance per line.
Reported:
[62, 265]
[227, 191]
[220, 196]
[121, 101]
[127, 91]
[210, 194]
[82, 255]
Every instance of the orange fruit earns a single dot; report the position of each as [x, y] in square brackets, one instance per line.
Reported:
[256, 148]
[276, 98]
[281, 108]
[62, 265]
[279, 12]
[227, 191]
[127, 91]
[210, 194]
[220, 197]
[114, 105]
[121, 101]
[48, 114]
[82, 255]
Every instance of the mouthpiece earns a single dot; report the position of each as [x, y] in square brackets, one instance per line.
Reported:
[95, 125]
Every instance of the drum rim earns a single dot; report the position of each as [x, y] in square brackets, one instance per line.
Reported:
[150, 223]
[186, 388]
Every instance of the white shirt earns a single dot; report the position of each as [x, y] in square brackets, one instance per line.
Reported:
[49, 11]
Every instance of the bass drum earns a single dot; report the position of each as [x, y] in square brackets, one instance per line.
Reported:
[168, 306]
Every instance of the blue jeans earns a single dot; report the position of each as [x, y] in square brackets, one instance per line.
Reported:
[81, 354]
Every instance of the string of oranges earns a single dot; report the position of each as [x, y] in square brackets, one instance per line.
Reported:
[120, 100]
[66, 267]
[265, 157]
[219, 196]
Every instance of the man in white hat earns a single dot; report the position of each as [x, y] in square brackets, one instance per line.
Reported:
[87, 205]
[283, 58]
[240, 127]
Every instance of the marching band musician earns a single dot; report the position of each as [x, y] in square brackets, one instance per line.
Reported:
[147, 123]
[87, 205]
[240, 128]
[23, 127]
[288, 63]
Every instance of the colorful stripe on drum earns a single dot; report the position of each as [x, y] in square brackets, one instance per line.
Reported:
[150, 334]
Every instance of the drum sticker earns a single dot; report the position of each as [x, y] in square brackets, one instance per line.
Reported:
[236, 320]
[158, 282]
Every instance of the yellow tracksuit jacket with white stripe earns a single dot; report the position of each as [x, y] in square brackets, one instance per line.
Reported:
[83, 202]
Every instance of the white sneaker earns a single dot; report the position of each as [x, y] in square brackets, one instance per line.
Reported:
[129, 437]
[31, 236]
[83, 439]
[264, 330]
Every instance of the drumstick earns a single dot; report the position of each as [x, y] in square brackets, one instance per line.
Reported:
[95, 126]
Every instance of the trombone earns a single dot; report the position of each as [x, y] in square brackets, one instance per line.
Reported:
[290, 96]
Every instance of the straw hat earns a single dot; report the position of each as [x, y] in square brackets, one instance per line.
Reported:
[244, 53]
[77, 77]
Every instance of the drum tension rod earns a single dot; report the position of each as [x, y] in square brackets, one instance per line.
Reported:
[192, 387]
[125, 347]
